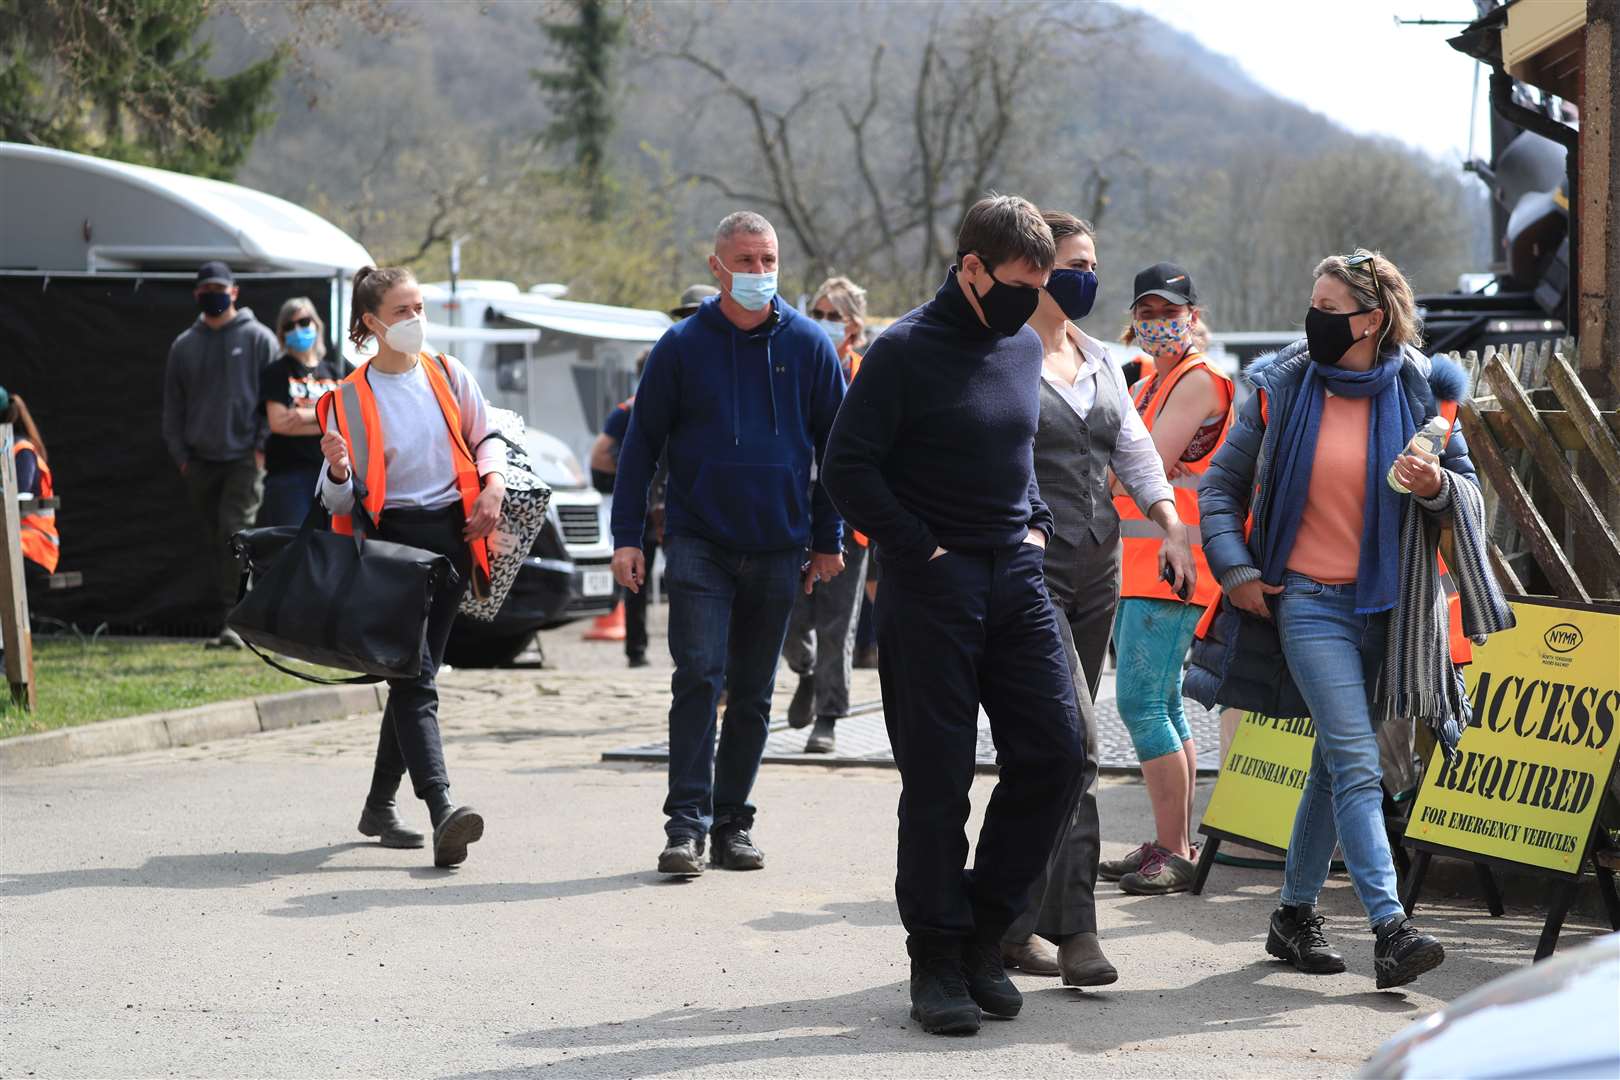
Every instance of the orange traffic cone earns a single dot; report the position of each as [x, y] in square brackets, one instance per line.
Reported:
[609, 627]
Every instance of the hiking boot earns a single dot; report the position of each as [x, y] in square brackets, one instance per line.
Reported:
[939, 994]
[1161, 872]
[1296, 936]
[822, 739]
[987, 980]
[462, 826]
[1082, 963]
[383, 823]
[1033, 956]
[804, 699]
[1403, 952]
[637, 659]
[734, 850]
[1114, 869]
[682, 857]
[228, 639]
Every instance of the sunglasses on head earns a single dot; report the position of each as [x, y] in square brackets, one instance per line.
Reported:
[1355, 262]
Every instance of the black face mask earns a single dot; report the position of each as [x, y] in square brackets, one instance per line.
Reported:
[1006, 307]
[1328, 335]
[214, 303]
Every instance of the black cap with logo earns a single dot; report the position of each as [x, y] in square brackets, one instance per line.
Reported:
[215, 272]
[1167, 280]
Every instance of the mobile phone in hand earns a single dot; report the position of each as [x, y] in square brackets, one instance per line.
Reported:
[1168, 576]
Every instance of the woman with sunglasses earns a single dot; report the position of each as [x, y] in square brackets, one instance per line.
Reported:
[1317, 553]
[1088, 430]
[288, 390]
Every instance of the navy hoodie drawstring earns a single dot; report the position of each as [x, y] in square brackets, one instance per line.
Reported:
[736, 406]
[770, 377]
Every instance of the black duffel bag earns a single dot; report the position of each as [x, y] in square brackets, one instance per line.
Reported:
[346, 602]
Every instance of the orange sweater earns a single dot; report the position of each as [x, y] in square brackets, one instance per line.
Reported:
[1328, 547]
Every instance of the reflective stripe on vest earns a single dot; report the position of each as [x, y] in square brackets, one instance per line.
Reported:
[1140, 537]
[41, 544]
[354, 407]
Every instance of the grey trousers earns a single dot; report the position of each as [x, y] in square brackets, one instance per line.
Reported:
[821, 634]
[227, 496]
[1083, 580]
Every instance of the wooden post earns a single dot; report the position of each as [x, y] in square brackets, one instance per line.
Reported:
[14, 634]
[1596, 215]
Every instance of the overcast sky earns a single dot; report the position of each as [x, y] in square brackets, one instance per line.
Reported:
[1350, 62]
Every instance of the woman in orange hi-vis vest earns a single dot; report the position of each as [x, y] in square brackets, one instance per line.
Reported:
[1187, 406]
[41, 545]
[407, 460]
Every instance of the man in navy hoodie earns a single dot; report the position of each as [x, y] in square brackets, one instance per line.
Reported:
[740, 398]
[933, 457]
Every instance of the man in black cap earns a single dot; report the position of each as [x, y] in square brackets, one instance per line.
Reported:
[212, 423]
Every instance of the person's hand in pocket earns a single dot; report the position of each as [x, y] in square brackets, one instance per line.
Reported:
[1251, 597]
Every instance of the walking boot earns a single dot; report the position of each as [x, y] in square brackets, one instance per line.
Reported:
[682, 857]
[804, 699]
[462, 826]
[822, 738]
[734, 850]
[1033, 956]
[1296, 936]
[383, 823]
[1161, 872]
[1114, 869]
[1082, 963]
[987, 980]
[939, 995]
[1402, 952]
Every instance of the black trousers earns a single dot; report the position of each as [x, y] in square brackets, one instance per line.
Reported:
[1083, 580]
[959, 630]
[635, 605]
[410, 725]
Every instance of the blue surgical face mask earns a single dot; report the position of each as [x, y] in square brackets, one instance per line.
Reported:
[301, 338]
[751, 291]
[1074, 290]
[834, 330]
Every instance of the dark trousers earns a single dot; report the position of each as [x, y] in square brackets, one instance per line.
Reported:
[410, 725]
[635, 605]
[821, 634]
[728, 614]
[1083, 580]
[288, 495]
[953, 632]
[227, 495]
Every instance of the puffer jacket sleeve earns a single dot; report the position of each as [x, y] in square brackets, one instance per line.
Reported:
[1224, 495]
[1456, 462]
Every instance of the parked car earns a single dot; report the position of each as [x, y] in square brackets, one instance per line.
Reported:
[567, 575]
[1558, 1018]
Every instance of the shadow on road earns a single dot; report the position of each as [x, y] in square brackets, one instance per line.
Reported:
[856, 913]
[325, 904]
[212, 870]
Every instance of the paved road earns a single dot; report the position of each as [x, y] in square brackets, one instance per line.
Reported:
[210, 911]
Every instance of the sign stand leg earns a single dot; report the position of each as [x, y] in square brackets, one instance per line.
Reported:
[1206, 860]
[1487, 886]
[1563, 896]
[1414, 881]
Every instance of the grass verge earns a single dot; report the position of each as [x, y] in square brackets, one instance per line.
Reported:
[79, 682]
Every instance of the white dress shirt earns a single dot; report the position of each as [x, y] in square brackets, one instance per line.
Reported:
[1135, 459]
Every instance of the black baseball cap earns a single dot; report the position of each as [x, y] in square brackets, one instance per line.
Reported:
[1167, 280]
[215, 272]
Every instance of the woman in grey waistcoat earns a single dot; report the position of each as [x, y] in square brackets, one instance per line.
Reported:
[1088, 428]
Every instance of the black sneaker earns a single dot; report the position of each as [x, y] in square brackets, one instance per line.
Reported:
[804, 700]
[1296, 936]
[734, 850]
[1402, 952]
[939, 994]
[462, 826]
[637, 659]
[682, 857]
[987, 980]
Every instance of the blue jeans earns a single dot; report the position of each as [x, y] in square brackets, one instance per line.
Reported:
[728, 616]
[1335, 657]
[288, 495]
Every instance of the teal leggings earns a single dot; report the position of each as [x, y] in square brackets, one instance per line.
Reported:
[1151, 638]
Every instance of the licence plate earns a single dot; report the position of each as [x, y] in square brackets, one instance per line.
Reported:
[597, 583]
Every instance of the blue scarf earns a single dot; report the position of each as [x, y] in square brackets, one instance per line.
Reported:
[1389, 429]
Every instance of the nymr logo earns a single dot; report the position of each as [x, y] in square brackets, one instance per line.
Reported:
[1563, 638]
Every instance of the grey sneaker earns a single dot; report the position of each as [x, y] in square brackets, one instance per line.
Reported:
[228, 639]
[1161, 872]
[1114, 869]
[823, 737]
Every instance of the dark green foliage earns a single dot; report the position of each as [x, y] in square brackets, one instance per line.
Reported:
[582, 91]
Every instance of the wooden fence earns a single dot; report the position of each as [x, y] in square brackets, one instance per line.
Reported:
[1550, 462]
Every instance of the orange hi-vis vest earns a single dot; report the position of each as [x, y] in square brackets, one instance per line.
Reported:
[355, 407]
[1462, 648]
[41, 543]
[854, 370]
[1140, 537]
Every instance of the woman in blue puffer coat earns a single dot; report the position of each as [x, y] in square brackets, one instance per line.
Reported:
[1307, 458]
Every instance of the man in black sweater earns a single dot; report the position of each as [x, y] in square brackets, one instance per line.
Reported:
[932, 456]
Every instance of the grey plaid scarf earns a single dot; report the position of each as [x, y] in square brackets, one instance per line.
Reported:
[1420, 683]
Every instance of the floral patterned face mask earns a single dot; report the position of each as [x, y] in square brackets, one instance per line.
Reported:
[1162, 337]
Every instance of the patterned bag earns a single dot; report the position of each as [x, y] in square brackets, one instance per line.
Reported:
[523, 515]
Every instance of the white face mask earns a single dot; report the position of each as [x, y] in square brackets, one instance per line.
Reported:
[407, 336]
